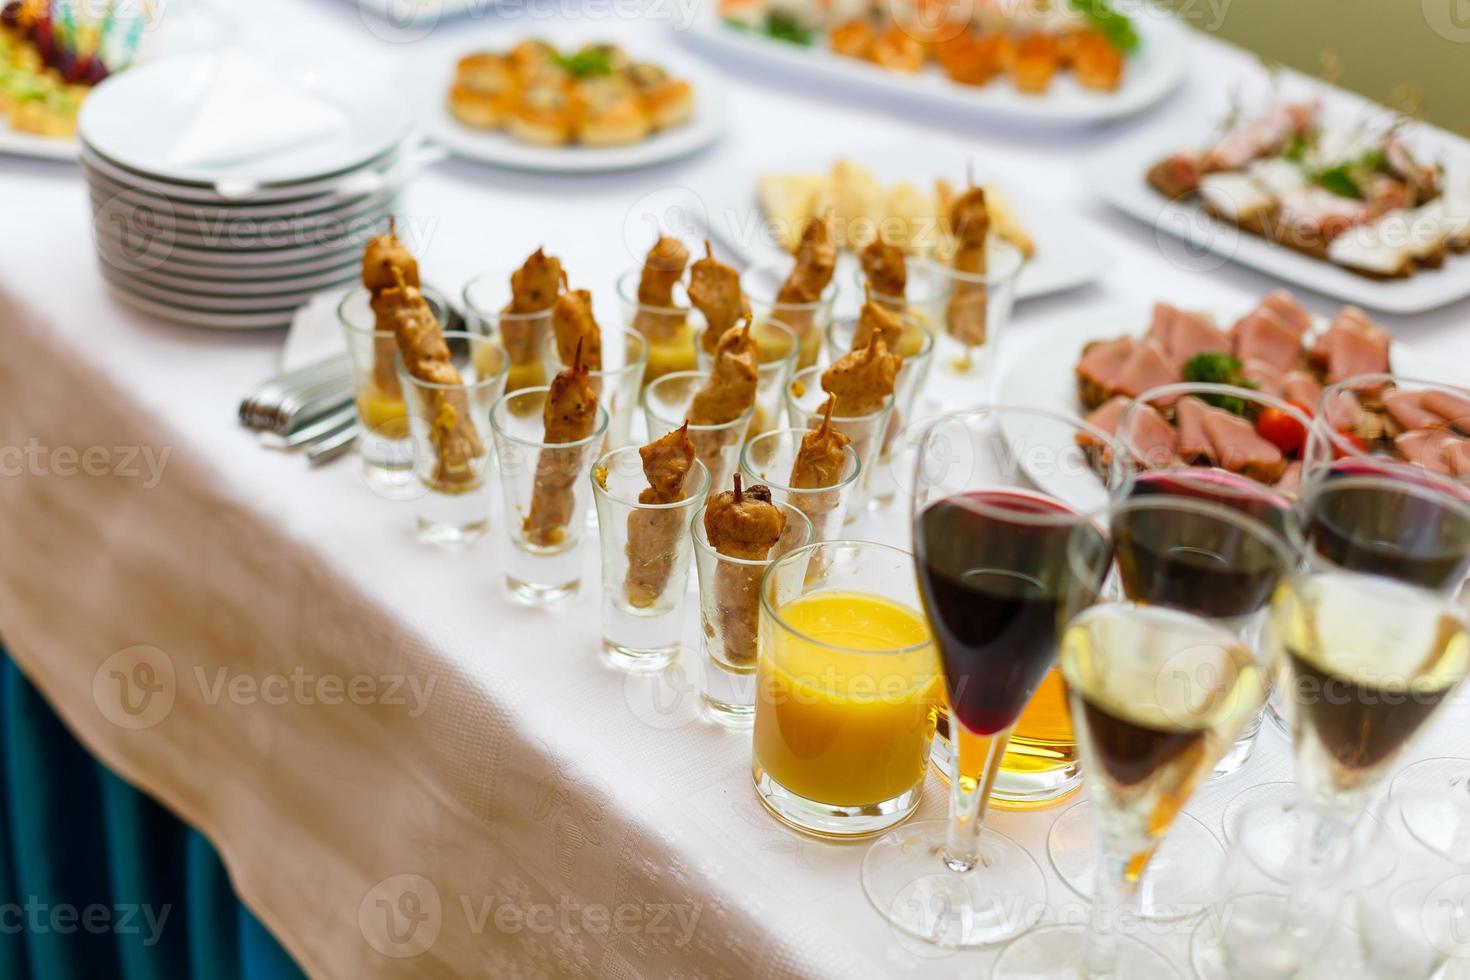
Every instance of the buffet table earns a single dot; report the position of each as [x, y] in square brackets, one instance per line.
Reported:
[405, 773]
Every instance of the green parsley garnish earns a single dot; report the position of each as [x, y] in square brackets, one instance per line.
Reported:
[587, 63]
[1220, 369]
[1111, 24]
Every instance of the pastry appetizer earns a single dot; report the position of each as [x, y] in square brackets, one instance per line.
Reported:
[964, 315]
[569, 415]
[741, 523]
[653, 534]
[452, 432]
[533, 291]
[595, 96]
[714, 289]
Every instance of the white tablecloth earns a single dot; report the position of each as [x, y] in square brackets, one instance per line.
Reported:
[369, 731]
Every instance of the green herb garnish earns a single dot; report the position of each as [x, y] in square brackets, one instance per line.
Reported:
[783, 26]
[587, 63]
[1219, 369]
[1108, 22]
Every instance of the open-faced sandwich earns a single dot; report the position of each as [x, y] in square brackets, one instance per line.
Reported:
[595, 96]
[50, 58]
[1357, 197]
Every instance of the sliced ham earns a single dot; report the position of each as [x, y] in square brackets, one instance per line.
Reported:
[1407, 409]
[1239, 449]
[1145, 368]
[1437, 450]
[1153, 441]
[1352, 345]
[1283, 305]
[1106, 417]
[1102, 361]
[1261, 335]
[1342, 410]
[1182, 335]
[1454, 408]
[1193, 445]
[1260, 136]
[1302, 388]
[1266, 376]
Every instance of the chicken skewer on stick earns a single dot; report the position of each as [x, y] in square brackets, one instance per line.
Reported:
[533, 291]
[969, 220]
[653, 535]
[819, 463]
[744, 524]
[886, 272]
[816, 260]
[662, 269]
[426, 356]
[380, 258]
[862, 380]
[714, 289]
[569, 415]
[727, 394]
[573, 326]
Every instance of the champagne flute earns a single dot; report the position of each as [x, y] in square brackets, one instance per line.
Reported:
[1158, 694]
[998, 494]
[1222, 565]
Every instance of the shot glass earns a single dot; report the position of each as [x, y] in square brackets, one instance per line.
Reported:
[768, 459]
[617, 384]
[450, 451]
[916, 346]
[522, 335]
[920, 296]
[865, 433]
[383, 445]
[669, 330]
[546, 492]
[762, 284]
[729, 614]
[971, 311]
[778, 350]
[847, 689]
[666, 407]
[645, 561]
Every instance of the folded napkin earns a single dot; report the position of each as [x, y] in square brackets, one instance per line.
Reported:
[249, 111]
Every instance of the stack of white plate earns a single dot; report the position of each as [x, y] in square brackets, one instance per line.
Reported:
[227, 190]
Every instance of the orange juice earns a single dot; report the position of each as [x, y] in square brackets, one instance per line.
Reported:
[845, 710]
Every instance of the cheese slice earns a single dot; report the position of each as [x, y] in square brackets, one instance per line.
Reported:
[1235, 196]
[1276, 176]
[1381, 248]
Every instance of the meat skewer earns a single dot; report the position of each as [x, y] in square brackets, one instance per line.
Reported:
[886, 272]
[384, 259]
[574, 326]
[662, 269]
[819, 463]
[426, 356]
[862, 380]
[569, 415]
[714, 289]
[728, 394]
[742, 523]
[653, 535]
[969, 220]
[533, 290]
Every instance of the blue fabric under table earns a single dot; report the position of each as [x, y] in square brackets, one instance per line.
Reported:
[98, 880]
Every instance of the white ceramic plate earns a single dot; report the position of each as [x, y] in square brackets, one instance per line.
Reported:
[135, 119]
[294, 285]
[429, 78]
[1152, 72]
[1119, 175]
[234, 232]
[1066, 256]
[17, 144]
[199, 318]
[201, 212]
[188, 300]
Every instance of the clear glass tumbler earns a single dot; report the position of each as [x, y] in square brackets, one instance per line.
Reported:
[729, 612]
[666, 407]
[618, 382]
[546, 493]
[521, 334]
[972, 310]
[669, 330]
[768, 459]
[778, 349]
[762, 284]
[865, 433]
[383, 445]
[645, 560]
[447, 425]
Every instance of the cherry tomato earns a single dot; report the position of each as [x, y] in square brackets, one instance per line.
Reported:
[1280, 429]
[1304, 409]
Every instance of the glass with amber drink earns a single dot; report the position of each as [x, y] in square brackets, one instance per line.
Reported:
[847, 687]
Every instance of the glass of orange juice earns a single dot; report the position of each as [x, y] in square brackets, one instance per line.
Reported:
[847, 688]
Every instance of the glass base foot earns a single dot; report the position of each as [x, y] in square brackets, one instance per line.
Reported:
[1252, 941]
[1060, 953]
[828, 820]
[1178, 883]
[636, 659]
[389, 481]
[728, 714]
[450, 535]
[1433, 798]
[907, 881]
[536, 594]
[1271, 835]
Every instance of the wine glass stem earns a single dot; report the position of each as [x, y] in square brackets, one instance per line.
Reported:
[977, 764]
[1110, 887]
[1316, 835]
